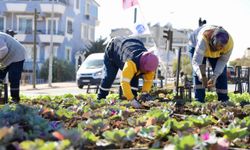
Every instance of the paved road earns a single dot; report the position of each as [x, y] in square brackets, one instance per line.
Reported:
[56, 89]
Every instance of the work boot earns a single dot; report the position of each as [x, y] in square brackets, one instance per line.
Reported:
[15, 100]
[227, 103]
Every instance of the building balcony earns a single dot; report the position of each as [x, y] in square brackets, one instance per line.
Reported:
[29, 5]
[42, 37]
[45, 37]
[59, 6]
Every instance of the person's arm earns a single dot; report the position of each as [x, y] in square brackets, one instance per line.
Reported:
[198, 57]
[148, 81]
[221, 63]
[3, 48]
[128, 72]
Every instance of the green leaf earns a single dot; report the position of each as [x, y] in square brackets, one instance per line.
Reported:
[184, 143]
[62, 112]
[165, 130]
[149, 132]
[26, 145]
[202, 120]
[160, 114]
[90, 137]
[114, 136]
[233, 132]
[119, 136]
[181, 125]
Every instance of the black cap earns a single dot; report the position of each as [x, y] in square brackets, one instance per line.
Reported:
[11, 32]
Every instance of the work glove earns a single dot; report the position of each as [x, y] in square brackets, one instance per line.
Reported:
[136, 104]
[212, 81]
[144, 97]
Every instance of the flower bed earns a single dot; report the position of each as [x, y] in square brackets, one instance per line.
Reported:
[82, 122]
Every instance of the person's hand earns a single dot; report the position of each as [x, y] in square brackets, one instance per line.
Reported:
[145, 97]
[136, 104]
[211, 82]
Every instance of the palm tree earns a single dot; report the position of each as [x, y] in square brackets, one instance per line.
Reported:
[96, 47]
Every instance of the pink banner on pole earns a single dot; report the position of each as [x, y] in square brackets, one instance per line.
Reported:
[129, 3]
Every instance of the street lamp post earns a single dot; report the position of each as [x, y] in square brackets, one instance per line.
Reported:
[51, 46]
[34, 48]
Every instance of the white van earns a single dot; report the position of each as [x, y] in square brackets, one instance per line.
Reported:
[91, 71]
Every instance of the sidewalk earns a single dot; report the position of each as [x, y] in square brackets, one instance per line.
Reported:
[28, 87]
[73, 84]
[60, 88]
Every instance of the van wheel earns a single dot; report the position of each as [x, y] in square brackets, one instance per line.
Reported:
[80, 86]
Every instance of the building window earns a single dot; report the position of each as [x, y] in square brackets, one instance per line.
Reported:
[69, 27]
[47, 52]
[77, 4]
[87, 7]
[94, 12]
[68, 53]
[2, 24]
[85, 31]
[30, 53]
[55, 26]
[92, 34]
[25, 25]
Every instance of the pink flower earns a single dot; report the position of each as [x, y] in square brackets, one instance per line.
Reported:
[113, 112]
[205, 136]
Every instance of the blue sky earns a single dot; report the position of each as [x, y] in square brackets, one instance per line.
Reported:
[233, 15]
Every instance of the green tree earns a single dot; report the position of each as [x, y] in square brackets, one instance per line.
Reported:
[185, 66]
[62, 70]
[233, 63]
[96, 47]
[244, 61]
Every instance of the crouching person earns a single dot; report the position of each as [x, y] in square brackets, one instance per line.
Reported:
[12, 56]
[134, 60]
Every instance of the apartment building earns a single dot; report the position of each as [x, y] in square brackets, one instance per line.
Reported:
[73, 23]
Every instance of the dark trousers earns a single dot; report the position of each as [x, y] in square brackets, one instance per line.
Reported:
[110, 71]
[221, 83]
[15, 71]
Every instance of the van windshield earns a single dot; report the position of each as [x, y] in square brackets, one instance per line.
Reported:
[92, 64]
